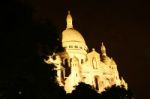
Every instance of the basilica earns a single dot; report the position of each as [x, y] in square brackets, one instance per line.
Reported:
[77, 64]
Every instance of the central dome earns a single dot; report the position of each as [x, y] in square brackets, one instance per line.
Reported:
[70, 34]
[73, 41]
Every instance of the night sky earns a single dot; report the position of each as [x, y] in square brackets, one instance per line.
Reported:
[123, 26]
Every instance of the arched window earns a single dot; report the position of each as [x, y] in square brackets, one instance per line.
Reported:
[76, 46]
[70, 46]
[81, 61]
[62, 75]
[96, 82]
[70, 61]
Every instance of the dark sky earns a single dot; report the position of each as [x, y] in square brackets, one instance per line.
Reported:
[123, 26]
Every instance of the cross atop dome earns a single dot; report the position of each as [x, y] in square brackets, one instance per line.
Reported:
[69, 20]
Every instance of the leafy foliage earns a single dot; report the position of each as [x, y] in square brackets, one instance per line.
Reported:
[23, 74]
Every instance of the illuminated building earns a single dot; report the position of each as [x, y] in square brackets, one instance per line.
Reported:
[76, 64]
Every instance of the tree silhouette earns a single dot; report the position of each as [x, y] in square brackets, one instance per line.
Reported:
[83, 90]
[23, 74]
[86, 91]
[24, 44]
[116, 92]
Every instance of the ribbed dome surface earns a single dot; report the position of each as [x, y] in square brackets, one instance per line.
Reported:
[71, 34]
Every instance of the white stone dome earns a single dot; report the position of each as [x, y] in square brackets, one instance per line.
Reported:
[72, 35]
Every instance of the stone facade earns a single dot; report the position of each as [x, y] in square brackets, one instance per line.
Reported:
[76, 64]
